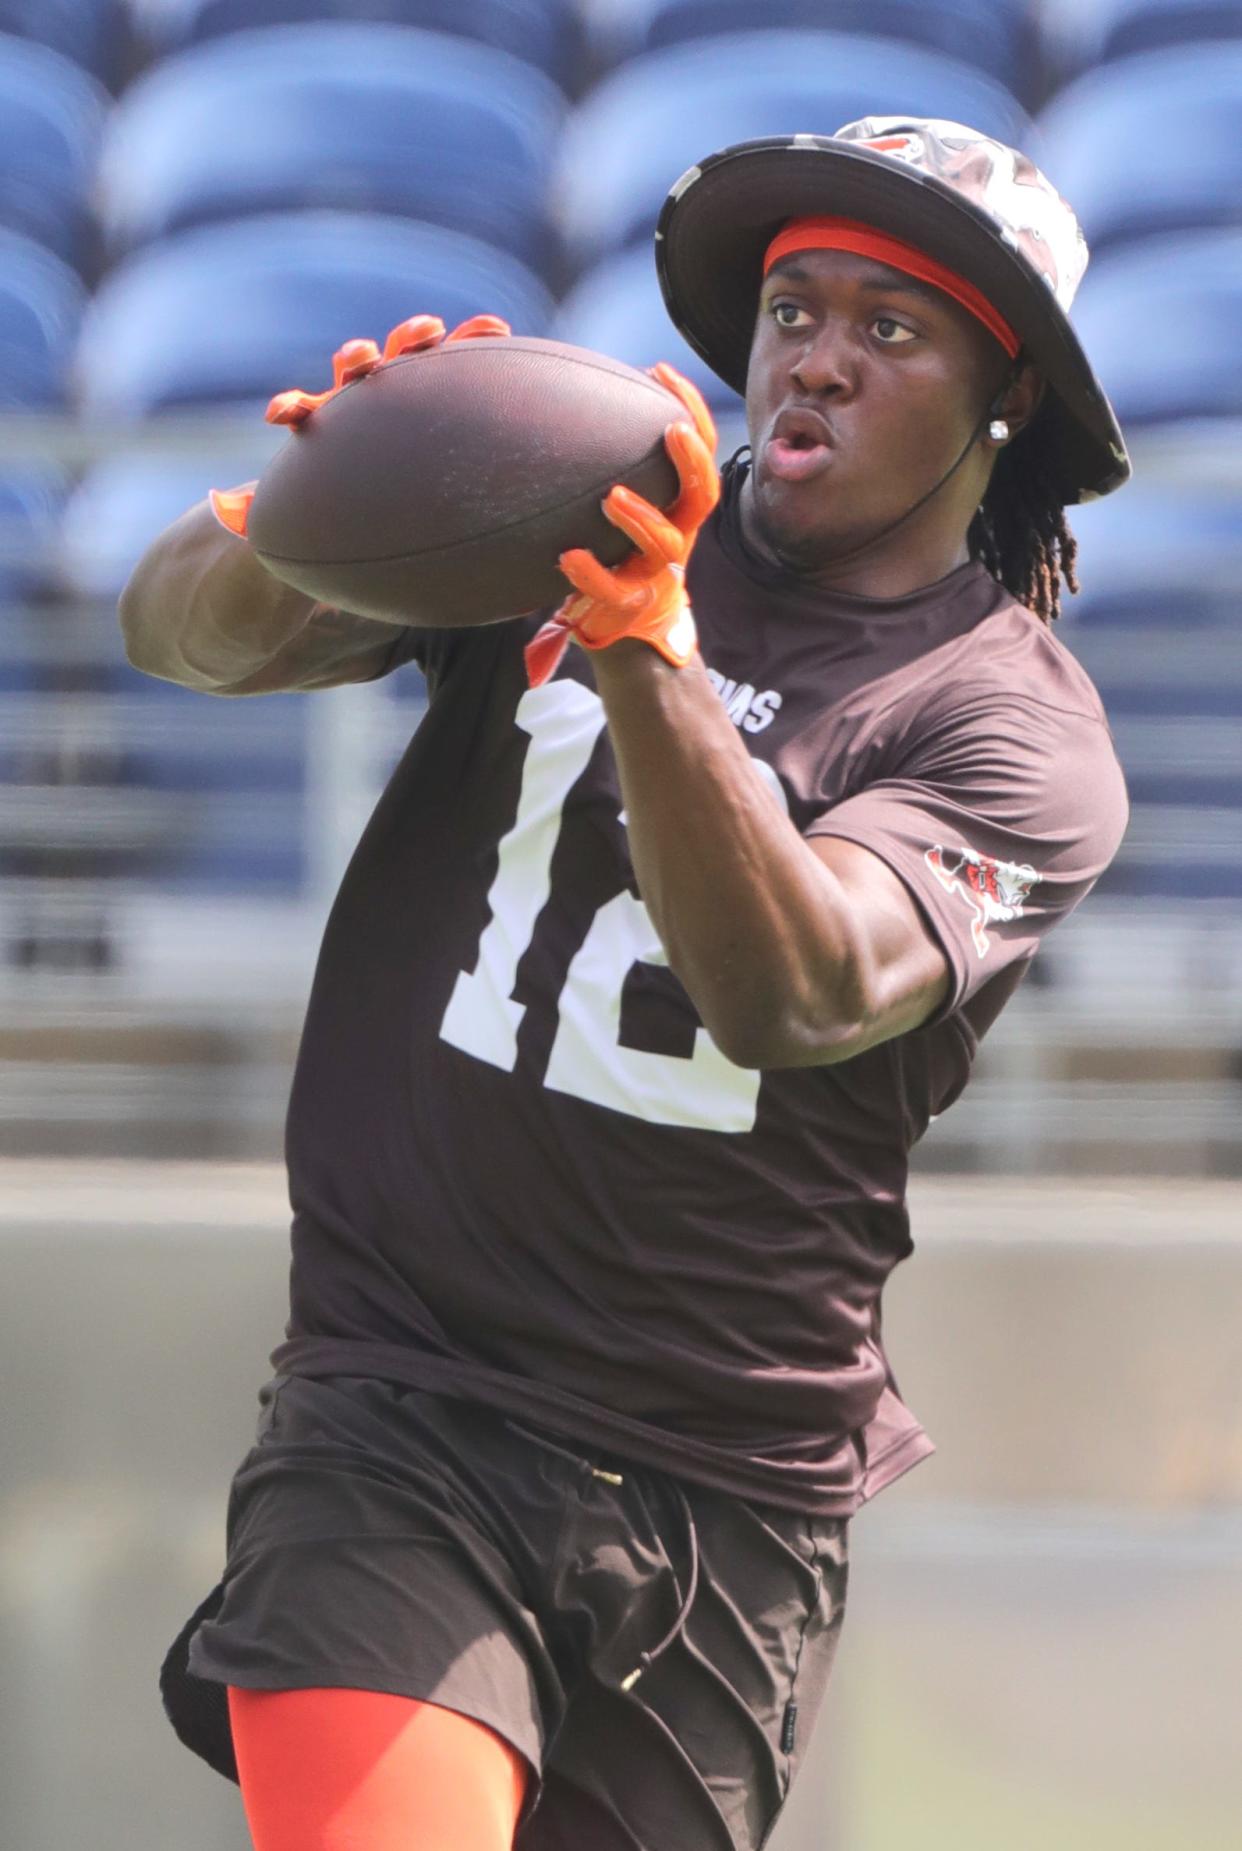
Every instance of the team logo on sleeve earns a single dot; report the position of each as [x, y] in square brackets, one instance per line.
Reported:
[993, 890]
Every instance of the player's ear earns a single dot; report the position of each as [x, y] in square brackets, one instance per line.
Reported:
[1018, 401]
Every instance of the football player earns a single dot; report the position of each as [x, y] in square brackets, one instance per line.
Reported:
[683, 914]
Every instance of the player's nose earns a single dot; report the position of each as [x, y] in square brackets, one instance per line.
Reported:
[827, 364]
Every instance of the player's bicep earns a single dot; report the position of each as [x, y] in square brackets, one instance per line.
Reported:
[906, 973]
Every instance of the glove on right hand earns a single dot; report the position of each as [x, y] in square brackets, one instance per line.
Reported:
[645, 597]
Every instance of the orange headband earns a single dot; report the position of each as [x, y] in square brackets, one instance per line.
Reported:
[833, 234]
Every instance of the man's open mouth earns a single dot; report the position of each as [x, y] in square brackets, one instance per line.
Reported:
[799, 447]
[791, 462]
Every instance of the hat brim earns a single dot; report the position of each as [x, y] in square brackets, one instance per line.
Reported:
[721, 216]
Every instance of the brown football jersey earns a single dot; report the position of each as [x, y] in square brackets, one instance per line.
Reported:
[521, 1171]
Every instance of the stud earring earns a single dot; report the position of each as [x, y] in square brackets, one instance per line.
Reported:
[998, 431]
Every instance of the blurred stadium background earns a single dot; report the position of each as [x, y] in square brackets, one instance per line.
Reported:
[199, 199]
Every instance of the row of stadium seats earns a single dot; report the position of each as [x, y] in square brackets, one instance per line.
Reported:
[398, 120]
[232, 313]
[95, 34]
[271, 187]
[1155, 625]
[1001, 37]
[547, 34]
[270, 295]
[226, 315]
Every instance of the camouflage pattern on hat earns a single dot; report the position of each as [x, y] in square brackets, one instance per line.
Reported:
[1028, 212]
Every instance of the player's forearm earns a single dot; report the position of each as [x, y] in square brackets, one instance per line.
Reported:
[201, 610]
[755, 926]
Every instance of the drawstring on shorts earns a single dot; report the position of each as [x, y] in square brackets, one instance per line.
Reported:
[646, 1659]
[563, 1452]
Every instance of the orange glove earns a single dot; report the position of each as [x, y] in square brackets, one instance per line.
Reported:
[646, 596]
[231, 506]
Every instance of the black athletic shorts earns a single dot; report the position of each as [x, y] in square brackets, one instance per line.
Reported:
[382, 1538]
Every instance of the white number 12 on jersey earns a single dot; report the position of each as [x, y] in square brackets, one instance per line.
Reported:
[563, 720]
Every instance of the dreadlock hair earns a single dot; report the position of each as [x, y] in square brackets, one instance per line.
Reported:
[1020, 534]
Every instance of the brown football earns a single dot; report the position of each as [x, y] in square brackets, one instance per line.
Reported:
[442, 486]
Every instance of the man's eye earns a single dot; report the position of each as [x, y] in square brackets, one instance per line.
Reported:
[893, 333]
[779, 310]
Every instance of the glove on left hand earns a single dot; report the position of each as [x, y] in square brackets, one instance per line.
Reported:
[646, 596]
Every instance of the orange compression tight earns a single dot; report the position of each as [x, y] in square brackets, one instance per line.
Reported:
[360, 1770]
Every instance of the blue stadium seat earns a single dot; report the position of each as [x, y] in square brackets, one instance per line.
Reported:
[632, 138]
[545, 33]
[1155, 626]
[240, 765]
[1150, 143]
[41, 304]
[232, 777]
[1160, 320]
[51, 118]
[617, 309]
[121, 504]
[993, 35]
[1169, 867]
[1150, 25]
[1158, 557]
[232, 313]
[31, 501]
[358, 118]
[93, 33]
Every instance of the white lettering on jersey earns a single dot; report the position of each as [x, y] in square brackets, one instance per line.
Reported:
[707, 1091]
[763, 710]
[481, 1017]
[743, 706]
[704, 1090]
